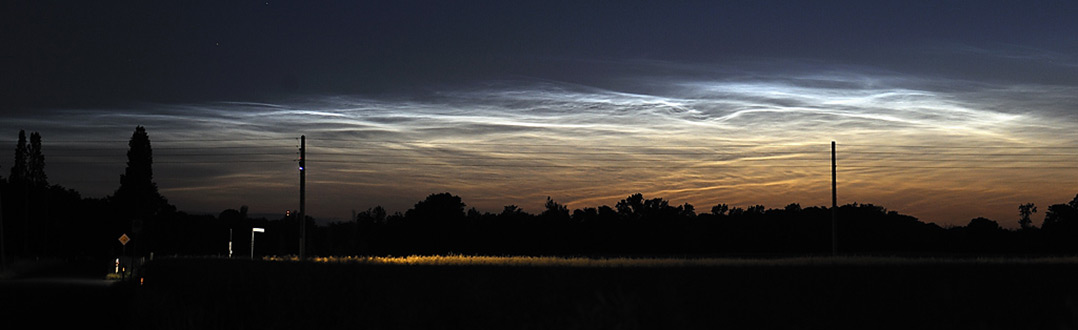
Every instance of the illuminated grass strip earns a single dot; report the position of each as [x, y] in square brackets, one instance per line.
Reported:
[530, 261]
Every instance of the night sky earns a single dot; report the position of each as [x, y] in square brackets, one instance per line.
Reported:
[941, 110]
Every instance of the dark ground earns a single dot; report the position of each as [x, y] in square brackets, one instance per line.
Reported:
[233, 294]
[60, 294]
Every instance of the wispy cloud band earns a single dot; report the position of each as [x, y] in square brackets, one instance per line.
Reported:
[945, 154]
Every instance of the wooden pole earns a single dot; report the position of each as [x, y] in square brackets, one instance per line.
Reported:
[834, 203]
[3, 253]
[302, 197]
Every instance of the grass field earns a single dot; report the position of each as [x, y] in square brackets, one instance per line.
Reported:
[463, 292]
[535, 261]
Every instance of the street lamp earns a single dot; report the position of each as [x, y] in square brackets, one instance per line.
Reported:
[253, 231]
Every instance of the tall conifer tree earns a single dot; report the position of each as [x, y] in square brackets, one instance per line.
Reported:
[35, 163]
[138, 196]
[18, 170]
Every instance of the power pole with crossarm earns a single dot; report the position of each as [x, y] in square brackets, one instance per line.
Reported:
[302, 197]
[834, 204]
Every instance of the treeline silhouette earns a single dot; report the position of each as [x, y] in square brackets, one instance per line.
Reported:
[45, 220]
[638, 226]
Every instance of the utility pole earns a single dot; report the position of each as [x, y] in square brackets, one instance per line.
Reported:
[3, 255]
[834, 204]
[302, 197]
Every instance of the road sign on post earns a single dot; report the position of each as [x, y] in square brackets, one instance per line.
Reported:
[123, 241]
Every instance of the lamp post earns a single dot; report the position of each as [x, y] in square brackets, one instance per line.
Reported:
[253, 231]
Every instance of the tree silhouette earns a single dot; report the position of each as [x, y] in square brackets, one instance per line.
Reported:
[636, 208]
[138, 195]
[1060, 227]
[687, 210]
[29, 179]
[755, 210]
[1060, 218]
[140, 207]
[736, 212]
[19, 171]
[982, 225]
[375, 214]
[1024, 212]
[441, 209]
[511, 210]
[555, 211]
[720, 209]
[35, 163]
[19, 193]
[631, 207]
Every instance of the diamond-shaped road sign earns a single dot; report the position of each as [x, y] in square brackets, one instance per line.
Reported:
[124, 239]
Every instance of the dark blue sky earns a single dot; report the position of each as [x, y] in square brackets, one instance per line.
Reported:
[85, 53]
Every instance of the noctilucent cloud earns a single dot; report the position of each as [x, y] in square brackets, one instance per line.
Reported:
[945, 111]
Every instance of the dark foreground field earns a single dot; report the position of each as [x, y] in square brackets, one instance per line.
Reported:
[62, 294]
[782, 294]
